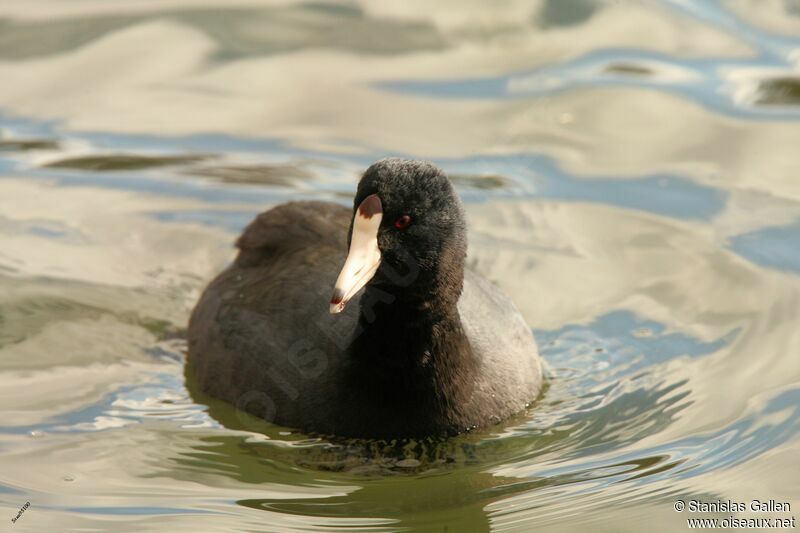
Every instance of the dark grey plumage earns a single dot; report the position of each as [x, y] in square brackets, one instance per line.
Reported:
[426, 348]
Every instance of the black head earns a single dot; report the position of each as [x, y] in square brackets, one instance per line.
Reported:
[408, 233]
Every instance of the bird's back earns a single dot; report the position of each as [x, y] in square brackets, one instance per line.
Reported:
[261, 334]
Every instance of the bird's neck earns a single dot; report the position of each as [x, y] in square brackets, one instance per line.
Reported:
[405, 328]
[414, 323]
[410, 357]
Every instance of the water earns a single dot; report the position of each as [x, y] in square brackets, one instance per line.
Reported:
[630, 173]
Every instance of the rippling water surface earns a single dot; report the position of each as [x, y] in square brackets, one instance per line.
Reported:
[632, 177]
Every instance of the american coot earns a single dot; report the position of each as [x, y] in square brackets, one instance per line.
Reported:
[410, 344]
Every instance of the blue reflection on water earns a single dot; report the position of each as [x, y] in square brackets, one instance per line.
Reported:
[666, 195]
[637, 335]
[701, 79]
[774, 247]
[131, 404]
[729, 446]
[692, 456]
[536, 176]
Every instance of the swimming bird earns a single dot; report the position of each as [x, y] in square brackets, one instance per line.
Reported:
[410, 344]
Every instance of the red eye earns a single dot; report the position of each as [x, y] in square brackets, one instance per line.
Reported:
[402, 222]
